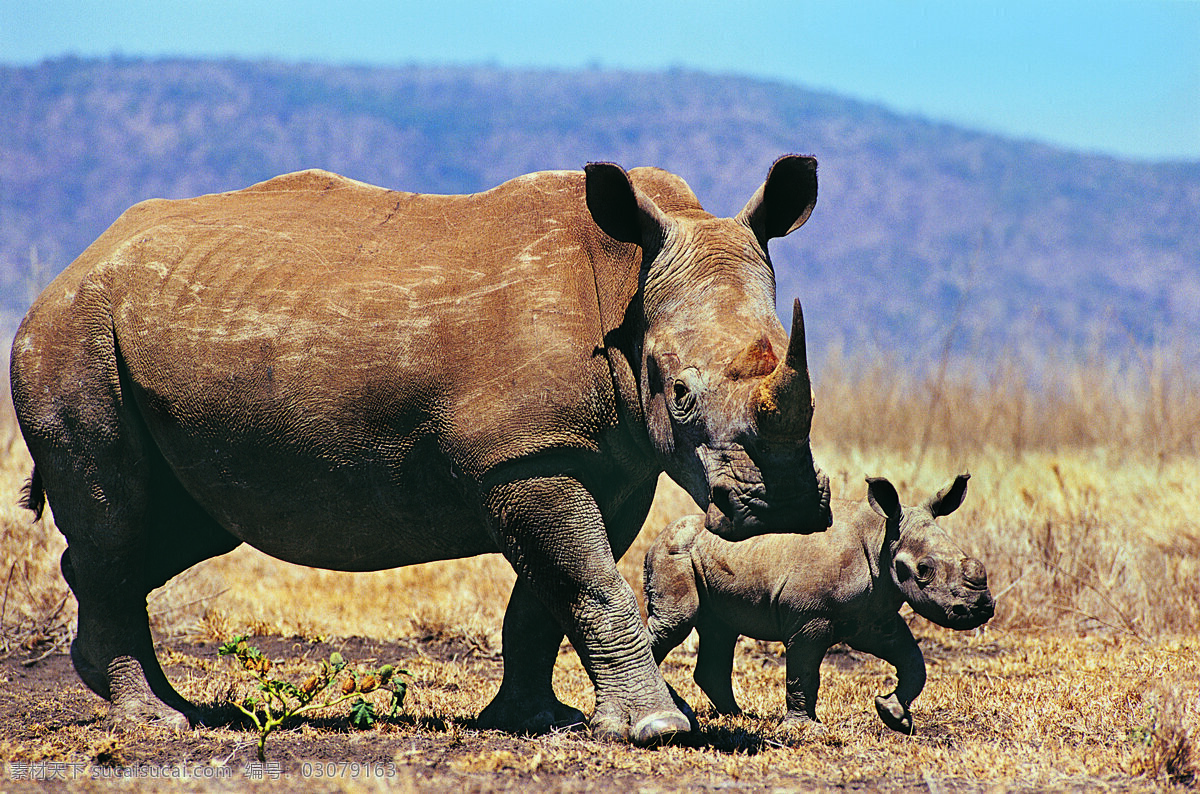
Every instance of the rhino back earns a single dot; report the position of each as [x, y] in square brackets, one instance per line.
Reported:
[313, 338]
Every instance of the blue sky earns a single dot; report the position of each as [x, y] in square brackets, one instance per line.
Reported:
[1113, 76]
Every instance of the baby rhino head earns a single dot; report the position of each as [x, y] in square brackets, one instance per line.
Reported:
[938, 579]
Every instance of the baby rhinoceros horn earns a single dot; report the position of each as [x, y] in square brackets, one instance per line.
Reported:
[783, 402]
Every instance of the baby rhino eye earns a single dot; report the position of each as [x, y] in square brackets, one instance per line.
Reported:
[926, 567]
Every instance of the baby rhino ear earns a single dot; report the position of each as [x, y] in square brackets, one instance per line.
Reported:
[882, 497]
[947, 500]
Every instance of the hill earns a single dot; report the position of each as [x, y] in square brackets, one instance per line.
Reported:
[923, 231]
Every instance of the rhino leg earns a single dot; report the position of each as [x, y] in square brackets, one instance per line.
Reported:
[672, 601]
[526, 702]
[803, 679]
[714, 664]
[892, 641]
[113, 651]
[554, 534]
[130, 527]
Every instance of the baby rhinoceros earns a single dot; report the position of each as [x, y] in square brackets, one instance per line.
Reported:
[811, 591]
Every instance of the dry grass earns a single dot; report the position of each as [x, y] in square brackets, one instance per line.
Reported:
[37, 612]
[1145, 404]
[1082, 505]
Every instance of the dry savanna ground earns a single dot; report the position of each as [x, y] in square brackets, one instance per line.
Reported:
[1082, 504]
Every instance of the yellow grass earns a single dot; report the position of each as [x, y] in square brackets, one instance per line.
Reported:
[1082, 504]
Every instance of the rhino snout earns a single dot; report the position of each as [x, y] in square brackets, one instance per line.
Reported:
[977, 613]
[736, 513]
[747, 499]
[974, 574]
[952, 595]
[976, 605]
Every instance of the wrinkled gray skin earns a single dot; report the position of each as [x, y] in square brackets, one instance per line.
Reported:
[810, 592]
[356, 378]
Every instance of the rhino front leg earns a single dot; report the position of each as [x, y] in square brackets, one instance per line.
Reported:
[526, 702]
[552, 532]
[892, 641]
[803, 681]
[672, 600]
[714, 665]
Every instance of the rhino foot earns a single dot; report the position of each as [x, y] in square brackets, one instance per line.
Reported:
[134, 705]
[649, 731]
[525, 717]
[652, 729]
[894, 714]
[798, 728]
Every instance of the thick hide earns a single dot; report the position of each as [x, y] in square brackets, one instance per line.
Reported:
[356, 378]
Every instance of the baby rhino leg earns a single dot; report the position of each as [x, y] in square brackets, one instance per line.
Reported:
[892, 641]
[803, 681]
[800, 723]
[672, 602]
[714, 664]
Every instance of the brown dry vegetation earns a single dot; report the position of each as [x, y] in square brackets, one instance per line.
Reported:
[1082, 504]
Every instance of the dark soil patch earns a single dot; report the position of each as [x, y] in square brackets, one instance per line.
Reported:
[54, 738]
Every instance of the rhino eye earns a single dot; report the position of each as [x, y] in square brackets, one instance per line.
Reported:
[683, 400]
[925, 570]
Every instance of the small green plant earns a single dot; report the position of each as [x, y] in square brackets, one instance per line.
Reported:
[278, 701]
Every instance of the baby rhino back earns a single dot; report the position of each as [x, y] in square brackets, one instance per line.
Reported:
[767, 587]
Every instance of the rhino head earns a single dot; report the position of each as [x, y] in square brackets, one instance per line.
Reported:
[724, 391]
[936, 577]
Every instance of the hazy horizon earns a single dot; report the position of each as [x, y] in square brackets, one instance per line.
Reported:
[1117, 77]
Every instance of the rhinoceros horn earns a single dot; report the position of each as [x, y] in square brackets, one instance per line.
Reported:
[783, 402]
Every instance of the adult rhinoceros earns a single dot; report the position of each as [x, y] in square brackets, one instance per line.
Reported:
[354, 378]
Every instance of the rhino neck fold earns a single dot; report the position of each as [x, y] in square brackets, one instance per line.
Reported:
[623, 350]
[879, 538]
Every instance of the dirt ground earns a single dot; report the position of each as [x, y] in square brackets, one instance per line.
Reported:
[54, 739]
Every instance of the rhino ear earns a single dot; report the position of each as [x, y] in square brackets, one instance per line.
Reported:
[882, 497]
[783, 202]
[621, 210]
[947, 500]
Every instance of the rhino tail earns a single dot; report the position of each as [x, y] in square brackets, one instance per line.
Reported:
[33, 495]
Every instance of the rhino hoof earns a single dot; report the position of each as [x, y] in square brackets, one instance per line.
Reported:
[652, 730]
[134, 704]
[894, 714]
[663, 727]
[138, 715]
[551, 718]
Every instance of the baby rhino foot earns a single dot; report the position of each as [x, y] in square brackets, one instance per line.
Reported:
[134, 705]
[894, 714]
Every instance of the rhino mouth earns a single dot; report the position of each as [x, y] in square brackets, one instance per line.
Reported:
[962, 615]
[972, 619]
[742, 502]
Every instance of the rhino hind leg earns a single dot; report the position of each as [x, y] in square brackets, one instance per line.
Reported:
[526, 702]
[130, 527]
[135, 702]
[113, 651]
